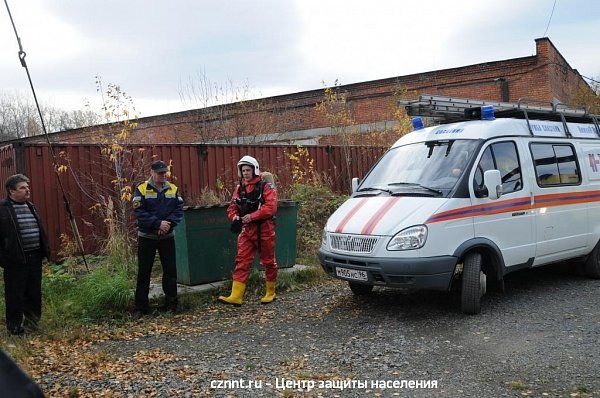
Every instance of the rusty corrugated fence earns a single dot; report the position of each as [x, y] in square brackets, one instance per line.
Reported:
[91, 175]
[8, 165]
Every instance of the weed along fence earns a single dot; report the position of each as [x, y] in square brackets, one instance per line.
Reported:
[91, 174]
[206, 247]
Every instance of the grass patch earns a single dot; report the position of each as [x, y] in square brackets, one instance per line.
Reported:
[310, 259]
[103, 293]
[72, 298]
[286, 281]
[192, 301]
[583, 390]
[518, 386]
[106, 293]
[292, 281]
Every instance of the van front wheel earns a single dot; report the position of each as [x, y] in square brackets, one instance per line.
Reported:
[360, 289]
[473, 284]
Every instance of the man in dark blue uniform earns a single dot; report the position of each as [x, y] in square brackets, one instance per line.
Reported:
[158, 209]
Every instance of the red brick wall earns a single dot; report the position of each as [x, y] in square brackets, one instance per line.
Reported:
[543, 76]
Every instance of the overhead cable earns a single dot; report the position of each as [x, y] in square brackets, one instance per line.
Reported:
[22, 55]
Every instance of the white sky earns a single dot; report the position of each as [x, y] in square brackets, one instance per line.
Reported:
[150, 47]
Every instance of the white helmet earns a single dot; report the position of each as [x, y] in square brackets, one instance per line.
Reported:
[249, 161]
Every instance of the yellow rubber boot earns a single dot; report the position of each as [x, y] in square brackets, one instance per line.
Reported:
[270, 294]
[237, 294]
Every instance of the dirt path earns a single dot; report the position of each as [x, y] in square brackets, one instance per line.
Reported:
[540, 338]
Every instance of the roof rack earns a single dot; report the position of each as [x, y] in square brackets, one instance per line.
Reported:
[451, 109]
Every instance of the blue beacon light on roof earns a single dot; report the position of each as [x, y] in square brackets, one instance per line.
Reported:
[417, 123]
[487, 112]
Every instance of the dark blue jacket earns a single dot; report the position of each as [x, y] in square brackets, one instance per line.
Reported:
[153, 205]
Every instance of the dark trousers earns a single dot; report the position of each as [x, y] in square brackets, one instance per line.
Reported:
[23, 291]
[146, 253]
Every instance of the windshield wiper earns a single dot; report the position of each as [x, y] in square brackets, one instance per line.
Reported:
[375, 189]
[437, 191]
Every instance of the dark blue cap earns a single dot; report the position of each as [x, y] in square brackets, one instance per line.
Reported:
[159, 166]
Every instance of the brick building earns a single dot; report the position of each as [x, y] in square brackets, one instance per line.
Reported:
[545, 76]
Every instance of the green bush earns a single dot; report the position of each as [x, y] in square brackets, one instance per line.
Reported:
[316, 204]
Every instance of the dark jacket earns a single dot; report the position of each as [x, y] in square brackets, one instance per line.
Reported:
[11, 246]
[153, 205]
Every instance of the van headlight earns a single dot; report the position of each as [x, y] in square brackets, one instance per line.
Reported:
[409, 239]
[324, 239]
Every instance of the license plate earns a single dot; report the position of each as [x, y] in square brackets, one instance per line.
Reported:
[351, 274]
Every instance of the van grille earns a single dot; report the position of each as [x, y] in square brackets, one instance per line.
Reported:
[352, 243]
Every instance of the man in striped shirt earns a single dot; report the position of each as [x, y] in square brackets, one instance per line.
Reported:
[23, 245]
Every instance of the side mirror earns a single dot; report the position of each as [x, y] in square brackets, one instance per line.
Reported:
[493, 182]
[355, 182]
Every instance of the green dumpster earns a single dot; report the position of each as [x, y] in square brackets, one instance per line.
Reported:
[206, 248]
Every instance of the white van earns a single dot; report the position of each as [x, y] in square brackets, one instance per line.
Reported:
[472, 200]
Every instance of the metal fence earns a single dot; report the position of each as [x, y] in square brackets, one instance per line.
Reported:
[195, 168]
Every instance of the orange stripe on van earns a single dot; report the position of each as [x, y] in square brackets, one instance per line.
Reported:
[351, 213]
[502, 206]
[559, 199]
[376, 218]
[523, 203]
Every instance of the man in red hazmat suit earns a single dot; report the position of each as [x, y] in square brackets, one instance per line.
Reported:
[252, 208]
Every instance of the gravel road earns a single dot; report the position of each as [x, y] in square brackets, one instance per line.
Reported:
[539, 338]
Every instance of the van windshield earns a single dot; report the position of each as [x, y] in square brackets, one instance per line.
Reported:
[429, 168]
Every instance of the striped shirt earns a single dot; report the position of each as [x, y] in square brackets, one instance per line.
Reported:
[28, 227]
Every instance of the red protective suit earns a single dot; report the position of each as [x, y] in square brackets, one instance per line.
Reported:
[248, 238]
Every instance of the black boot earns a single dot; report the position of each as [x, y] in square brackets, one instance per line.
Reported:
[171, 305]
[16, 330]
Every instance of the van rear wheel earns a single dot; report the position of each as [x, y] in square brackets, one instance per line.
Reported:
[473, 284]
[360, 289]
[592, 264]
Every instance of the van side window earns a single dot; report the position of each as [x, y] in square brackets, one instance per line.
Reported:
[500, 156]
[555, 164]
